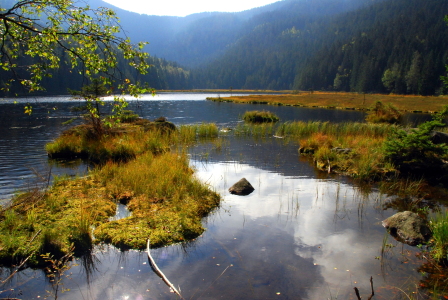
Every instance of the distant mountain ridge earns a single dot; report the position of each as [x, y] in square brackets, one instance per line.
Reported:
[397, 46]
[199, 38]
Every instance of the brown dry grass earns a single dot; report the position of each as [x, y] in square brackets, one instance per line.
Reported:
[410, 103]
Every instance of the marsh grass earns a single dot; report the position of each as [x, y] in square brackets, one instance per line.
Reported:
[122, 143]
[382, 113]
[439, 228]
[167, 210]
[257, 116]
[364, 158]
[207, 130]
[411, 103]
[403, 187]
[254, 130]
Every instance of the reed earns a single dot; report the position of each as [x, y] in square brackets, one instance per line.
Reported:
[255, 130]
[305, 129]
[439, 228]
[207, 130]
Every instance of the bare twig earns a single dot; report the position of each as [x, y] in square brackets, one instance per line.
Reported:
[25, 260]
[357, 293]
[371, 285]
[158, 272]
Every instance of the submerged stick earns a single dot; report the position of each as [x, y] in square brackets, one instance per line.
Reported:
[357, 293]
[158, 272]
[371, 285]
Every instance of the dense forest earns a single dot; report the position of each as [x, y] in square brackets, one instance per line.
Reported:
[397, 46]
[386, 46]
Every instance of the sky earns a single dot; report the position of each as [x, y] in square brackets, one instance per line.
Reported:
[183, 8]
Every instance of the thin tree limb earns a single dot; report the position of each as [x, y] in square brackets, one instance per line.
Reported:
[158, 272]
[24, 261]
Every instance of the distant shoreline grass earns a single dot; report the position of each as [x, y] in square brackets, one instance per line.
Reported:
[225, 91]
[346, 101]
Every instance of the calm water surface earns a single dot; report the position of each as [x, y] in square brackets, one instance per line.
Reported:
[300, 235]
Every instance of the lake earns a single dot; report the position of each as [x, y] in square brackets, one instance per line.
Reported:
[302, 234]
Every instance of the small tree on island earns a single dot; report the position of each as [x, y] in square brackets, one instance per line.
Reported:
[93, 95]
[100, 120]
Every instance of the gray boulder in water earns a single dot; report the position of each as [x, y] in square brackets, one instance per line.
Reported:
[408, 227]
[242, 188]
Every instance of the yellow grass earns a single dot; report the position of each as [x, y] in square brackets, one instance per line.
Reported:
[407, 103]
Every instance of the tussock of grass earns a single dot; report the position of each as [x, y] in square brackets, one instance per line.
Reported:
[121, 144]
[168, 201]
[439, 228]
[54, 221]
[255, 130]
[256, 116]
[381, 113]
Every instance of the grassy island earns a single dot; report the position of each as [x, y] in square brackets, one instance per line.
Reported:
[140, 164]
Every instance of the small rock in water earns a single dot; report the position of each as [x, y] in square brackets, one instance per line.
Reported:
[242, 188]
[408, 227]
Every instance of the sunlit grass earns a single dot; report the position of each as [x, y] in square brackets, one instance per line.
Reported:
[166, 197]
[142, 160]
[257, 116]
[52, 222]
[363, 156]
[439, 228]
[340, 100]
[255, 130]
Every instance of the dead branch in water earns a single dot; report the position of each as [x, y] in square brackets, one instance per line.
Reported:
[158, 272]
[371, 285]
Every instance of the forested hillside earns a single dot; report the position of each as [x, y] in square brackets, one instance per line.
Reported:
[398, 46]
[395, 46]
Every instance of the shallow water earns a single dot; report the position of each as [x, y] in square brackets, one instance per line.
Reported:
[294, 237]
[23, 137]
[301, 234]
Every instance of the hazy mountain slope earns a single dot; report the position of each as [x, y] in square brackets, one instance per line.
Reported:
[197, 39]
[347, 51]
[268, 55]
[188, 40]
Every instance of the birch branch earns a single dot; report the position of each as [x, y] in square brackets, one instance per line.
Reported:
[158, 272]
